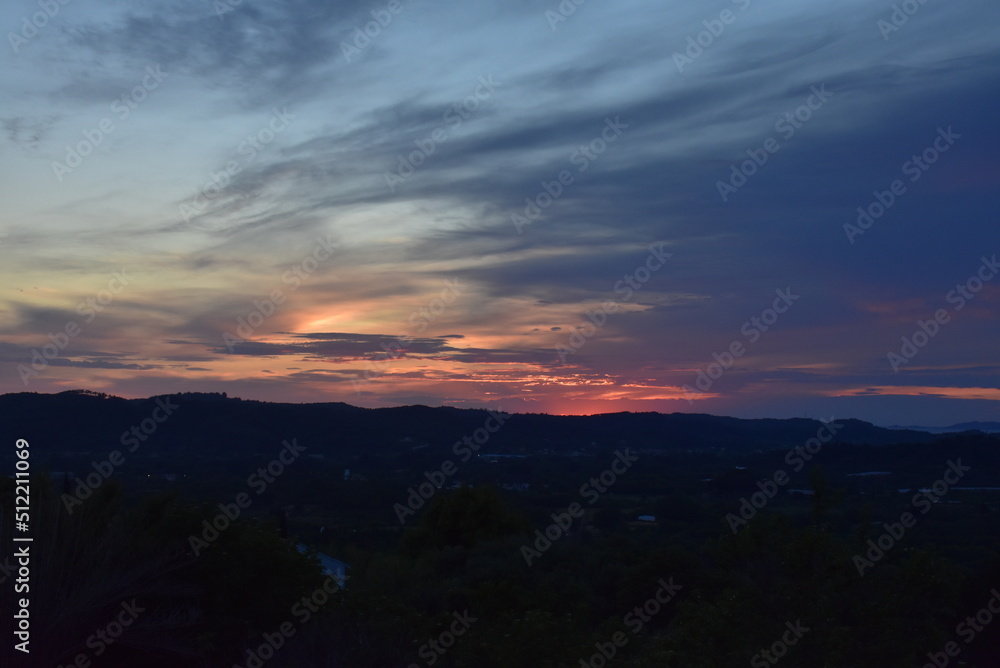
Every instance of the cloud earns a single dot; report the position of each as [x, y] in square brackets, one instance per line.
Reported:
[26, 132]
[522, 293]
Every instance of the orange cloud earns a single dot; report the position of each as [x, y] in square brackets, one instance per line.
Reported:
[987, 393]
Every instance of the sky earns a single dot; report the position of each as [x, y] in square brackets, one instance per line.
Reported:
[748, 208]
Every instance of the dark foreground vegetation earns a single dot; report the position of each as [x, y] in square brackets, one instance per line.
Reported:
[537, 558]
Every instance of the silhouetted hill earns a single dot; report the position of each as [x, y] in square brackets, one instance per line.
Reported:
[214, 425]
[987, 427]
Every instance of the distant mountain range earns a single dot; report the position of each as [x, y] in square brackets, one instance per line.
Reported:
[214, 425]
[988, 427]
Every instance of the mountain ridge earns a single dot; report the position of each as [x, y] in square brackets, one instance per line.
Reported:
[216, 423]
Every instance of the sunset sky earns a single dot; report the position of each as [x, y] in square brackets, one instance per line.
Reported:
[463, 184]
